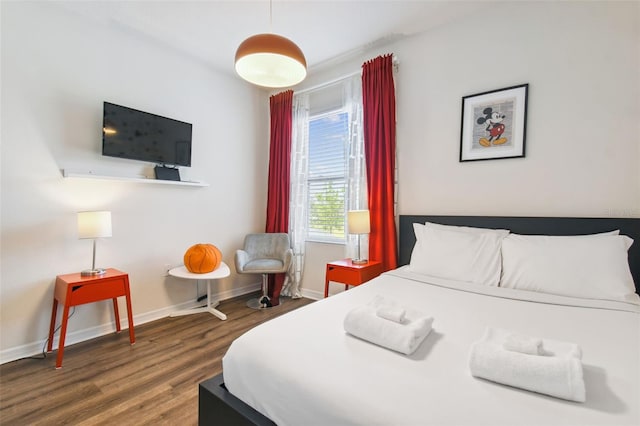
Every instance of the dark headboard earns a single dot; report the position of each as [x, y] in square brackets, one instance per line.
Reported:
[530, 226]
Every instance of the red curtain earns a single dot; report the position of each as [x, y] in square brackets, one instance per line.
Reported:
[379, 120]
[281, 111]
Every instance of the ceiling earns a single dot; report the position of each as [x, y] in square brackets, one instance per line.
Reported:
[326, 31]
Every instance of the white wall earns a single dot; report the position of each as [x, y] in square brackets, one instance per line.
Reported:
[57, 69]
[582, 63]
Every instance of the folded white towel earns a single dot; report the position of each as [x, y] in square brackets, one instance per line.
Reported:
[391, 313]
[523, 344]
[392, 310]
[405, 337]
[558, 375]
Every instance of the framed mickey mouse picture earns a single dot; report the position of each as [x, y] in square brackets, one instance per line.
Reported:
[494, 124]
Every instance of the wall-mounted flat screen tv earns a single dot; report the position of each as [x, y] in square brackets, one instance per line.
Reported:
[138, 135]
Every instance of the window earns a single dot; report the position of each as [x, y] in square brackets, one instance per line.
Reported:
[327, 176]
[327, 161]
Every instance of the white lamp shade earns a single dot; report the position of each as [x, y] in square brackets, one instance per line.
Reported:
[94, 224]
[358, 221]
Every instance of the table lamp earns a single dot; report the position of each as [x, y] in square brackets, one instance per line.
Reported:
[358, 223]
[94, 225]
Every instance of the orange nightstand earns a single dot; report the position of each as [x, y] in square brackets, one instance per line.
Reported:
[74, 289]
[348, 273]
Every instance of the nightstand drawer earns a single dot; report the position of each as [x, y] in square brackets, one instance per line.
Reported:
[343, 275]
[87, 293]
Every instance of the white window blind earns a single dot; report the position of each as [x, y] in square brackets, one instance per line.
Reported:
[327, 175]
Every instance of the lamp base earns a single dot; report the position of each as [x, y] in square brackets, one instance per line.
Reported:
[359, 261]
[93, 272]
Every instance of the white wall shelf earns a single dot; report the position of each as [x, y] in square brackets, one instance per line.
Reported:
[91, 175]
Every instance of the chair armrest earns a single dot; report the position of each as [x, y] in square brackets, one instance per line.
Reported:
[241, 258]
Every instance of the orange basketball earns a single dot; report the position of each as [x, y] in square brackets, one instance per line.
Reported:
[202, 258]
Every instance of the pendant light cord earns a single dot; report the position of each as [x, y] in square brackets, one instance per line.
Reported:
[270, 16]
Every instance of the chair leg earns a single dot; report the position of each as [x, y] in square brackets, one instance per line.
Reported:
[263, 301]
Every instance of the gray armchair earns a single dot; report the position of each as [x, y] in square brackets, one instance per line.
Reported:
[268, 253]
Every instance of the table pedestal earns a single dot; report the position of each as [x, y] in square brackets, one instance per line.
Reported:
[220, 272]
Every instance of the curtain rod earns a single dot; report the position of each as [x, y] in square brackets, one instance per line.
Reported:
[337, 79]
[327, 83]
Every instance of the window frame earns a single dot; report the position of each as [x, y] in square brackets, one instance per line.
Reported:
[344, 177]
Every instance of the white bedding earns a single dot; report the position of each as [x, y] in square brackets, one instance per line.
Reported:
[303, 369]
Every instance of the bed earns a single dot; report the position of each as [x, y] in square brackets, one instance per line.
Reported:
[318, 374]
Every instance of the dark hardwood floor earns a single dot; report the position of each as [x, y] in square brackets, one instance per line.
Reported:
[107, 381]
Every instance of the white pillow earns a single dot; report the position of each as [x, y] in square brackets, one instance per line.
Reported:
[462, 256]
[502, 232]
[594, 266]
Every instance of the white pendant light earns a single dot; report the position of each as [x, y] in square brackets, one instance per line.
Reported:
[270, 60]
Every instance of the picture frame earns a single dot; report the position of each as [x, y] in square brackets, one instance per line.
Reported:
[494, 124]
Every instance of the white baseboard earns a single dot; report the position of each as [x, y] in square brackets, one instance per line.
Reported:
[312, 294]
[35, 348]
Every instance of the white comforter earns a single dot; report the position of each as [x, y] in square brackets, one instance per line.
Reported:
[303, 369]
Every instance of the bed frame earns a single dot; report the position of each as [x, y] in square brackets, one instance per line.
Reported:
[217, 406]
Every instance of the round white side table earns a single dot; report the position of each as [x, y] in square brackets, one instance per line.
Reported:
[220, 272]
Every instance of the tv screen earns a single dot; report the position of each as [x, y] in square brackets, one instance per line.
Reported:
[138, 135]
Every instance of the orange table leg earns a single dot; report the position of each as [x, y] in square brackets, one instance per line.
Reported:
[52, 326]
[63, 334]
[127, 296]
[326, 283]
[116, 312]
